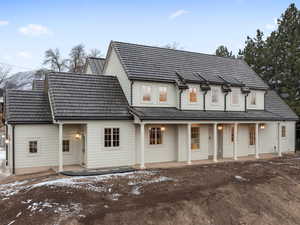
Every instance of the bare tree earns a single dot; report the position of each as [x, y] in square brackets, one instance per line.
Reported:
[4, 72]
[54, 60]
[173, 45]
[77, 59]
[95, 53]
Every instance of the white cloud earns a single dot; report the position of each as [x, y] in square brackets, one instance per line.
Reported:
[272, 26]
[178, 13]
[4, 22]
[24, 54]
[34, 30]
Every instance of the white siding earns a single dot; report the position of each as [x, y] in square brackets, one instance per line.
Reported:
[172, 99]
[115, 68]
[215, 106]
[99, 156]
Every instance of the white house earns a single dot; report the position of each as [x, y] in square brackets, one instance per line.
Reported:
[149, 105]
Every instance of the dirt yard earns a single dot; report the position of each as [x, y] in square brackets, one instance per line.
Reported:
[253, 192]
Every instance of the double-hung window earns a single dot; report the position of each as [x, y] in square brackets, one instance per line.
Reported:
[195, 138]
[252, 98]
[33, 147]
[215, 95]
[163, 95]
[111, 137]
[235, 98]
[193, 94]
[146, 94]
[155, 136]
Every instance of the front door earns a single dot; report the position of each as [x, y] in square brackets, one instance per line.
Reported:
[220, 144]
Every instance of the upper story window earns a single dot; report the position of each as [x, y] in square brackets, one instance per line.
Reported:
[193, 94]
[163, 94]
[146, 95]
[111, 137]
[252, 98]
[235, 98]
[215, 95]
[33, 147]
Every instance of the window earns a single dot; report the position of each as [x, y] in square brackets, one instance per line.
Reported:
[66, 145]
[253, 98]
[232, 134]
[33, 147]
[155, 136]
[283, 131]
[195, 138]
[252, 135]
[215, 95]
[163, 94]
[235, 100]
[111, 137]
[146, 93]
[193, 94]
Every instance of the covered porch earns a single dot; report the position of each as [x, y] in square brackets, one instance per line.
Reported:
[197, 142]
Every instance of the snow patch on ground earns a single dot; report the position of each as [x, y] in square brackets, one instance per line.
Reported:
[240, 178]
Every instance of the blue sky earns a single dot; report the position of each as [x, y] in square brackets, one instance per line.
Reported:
[28, 28]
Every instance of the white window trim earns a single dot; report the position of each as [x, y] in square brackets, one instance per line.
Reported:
[162, 136]
[218, 97]
[197, 96]
[166, 102]
[111, 148]
[37, 139]
[142, 94]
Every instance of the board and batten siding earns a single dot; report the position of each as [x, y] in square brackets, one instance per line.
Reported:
[114, 68]
[100, 156]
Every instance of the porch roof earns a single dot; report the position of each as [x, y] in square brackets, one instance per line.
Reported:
[172, 113]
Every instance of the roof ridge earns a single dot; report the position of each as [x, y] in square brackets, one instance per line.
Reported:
[81, 74]
[178, 50]
[92, 57]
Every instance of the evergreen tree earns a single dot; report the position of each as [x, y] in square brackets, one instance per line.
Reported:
[224, 52]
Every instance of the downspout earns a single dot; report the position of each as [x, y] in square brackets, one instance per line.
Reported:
[180, 94]
[246, 95]
[13, 150]
[225, 102]
[204, 100]
[131, 88]
[266, 92]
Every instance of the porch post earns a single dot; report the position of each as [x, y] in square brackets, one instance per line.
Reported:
[256, 141]
[142, 147]
[235, 141]
[279, 139]
[60, 150]
[215, 142]
[189, 161]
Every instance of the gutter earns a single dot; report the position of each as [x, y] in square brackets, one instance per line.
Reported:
[180, 94]
[6, 147]
[13, 151]
[131, 88]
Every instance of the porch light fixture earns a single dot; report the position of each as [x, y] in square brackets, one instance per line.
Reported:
[262, 126]
[220, 127]
[6, 141]
[162, 128]
[77, 135]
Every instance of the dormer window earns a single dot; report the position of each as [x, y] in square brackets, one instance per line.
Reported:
[252, 98]
[163, 95]
[146, 95]
[235, 100]
[214, 95]
[193, 94]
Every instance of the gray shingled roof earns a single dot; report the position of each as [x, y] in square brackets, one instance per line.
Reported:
[96, 64]
[27, 107]
[155, 63]
[86, 97]
[38, 84]
[276, 109]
